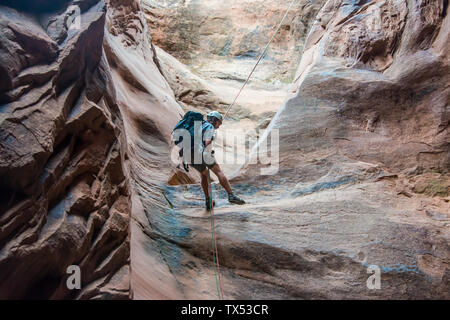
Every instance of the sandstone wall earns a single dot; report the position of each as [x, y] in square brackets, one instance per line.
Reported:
[233, 34]
[76, 106]
[367, 118]
[371, 86]
[85, 119]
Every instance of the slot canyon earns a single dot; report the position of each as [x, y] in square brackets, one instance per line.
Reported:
[358, 93]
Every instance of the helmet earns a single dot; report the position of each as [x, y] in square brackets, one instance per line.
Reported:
[214, 114]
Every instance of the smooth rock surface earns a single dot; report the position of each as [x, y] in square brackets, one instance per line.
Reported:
[72, 100]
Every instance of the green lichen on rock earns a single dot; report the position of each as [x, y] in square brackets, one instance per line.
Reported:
[433, 186]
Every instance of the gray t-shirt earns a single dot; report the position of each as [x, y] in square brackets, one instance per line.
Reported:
[208, 131]
[208, 134]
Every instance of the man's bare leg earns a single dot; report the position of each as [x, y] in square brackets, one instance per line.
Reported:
[222, 178]
[226, 185]
[205, 185]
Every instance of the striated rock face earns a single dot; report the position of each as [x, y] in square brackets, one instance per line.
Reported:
[363, 177]
[221, 39]
[364, 147]
[75, 105]
[382, 96]
[64, 193]
[375, 76]
[149, 112]
[362, 180]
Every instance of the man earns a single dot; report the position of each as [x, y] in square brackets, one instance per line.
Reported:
[213, 121]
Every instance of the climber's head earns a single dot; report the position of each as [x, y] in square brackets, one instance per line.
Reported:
[215, 118]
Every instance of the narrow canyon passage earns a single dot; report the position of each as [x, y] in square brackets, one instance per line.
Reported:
[311, 230]
[352, 100]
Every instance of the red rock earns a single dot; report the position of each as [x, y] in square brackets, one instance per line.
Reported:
[85, 124]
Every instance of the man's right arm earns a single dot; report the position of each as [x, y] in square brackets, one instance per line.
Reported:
[208, 136]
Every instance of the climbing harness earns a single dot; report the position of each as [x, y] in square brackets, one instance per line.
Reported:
[213, 240]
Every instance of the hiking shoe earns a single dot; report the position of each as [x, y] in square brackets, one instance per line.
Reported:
[235, 199]
[208, 204]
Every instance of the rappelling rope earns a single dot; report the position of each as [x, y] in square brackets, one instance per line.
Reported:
[213, 240]
[261, 56]
[214, 243]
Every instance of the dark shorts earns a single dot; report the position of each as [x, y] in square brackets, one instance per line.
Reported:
[202, 166]
[206, 163]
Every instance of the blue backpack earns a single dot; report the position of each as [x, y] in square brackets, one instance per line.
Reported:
[187, 123]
